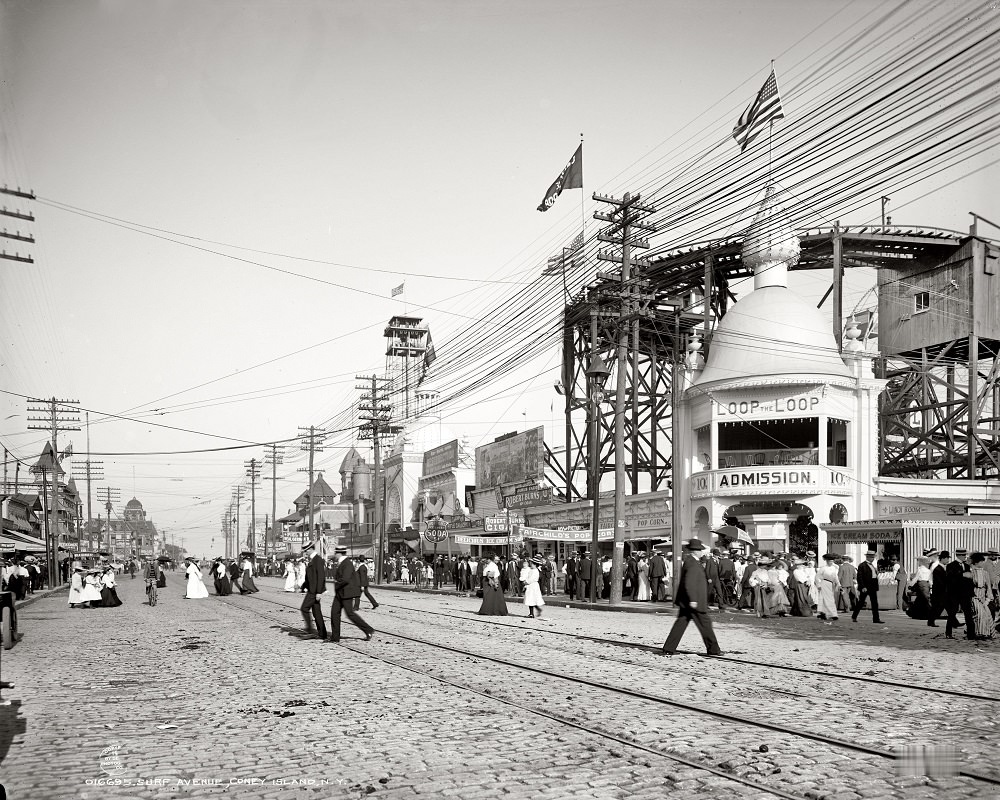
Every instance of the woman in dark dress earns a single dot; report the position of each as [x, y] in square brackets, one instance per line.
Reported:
[161, 576]
[248, 584]
[494, 604]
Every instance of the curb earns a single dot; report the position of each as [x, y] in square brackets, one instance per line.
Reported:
[27, 601]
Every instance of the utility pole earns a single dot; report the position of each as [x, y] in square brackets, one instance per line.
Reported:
[90, 472]
[60, 416]
[310, 444]
[376, 424]
[253, 473]
[624, 219]
[238, 497]
[111, 495]
[16, 235]
[274, 458]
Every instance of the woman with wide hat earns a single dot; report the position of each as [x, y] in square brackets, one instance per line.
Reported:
[494, 604]
[195, 588]
[530, 573]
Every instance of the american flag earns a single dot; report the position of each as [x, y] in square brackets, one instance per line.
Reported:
[561, 261]
[765, 109]
[398, 289]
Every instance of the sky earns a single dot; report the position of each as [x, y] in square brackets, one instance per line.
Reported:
[228, 192]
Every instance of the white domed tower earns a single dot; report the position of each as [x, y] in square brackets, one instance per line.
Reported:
[777, 425]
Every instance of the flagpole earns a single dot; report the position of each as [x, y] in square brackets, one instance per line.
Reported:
[770, 133]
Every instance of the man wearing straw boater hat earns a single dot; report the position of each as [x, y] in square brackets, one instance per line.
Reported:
[692, 601]
[347, 586]
[314, 587]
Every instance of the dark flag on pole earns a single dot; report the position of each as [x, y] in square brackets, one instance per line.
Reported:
[570, 178]
[765, 109]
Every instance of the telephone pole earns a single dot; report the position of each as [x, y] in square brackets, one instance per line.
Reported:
[16, 235]
[624, 220]
[274, 458]
[91, 472]
[376, 424]
[111, 495]
[60, 415]
[238, 497]
[313, 436]
[253, 473]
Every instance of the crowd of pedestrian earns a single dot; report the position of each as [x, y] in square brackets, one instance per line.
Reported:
[22, 575]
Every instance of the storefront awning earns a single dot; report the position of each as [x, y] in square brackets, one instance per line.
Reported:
[11, 541]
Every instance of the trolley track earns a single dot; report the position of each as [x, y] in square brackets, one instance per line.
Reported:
[558, 718]
[764, 664]
[625, 692]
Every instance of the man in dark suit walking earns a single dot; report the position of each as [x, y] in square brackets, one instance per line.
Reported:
[657, 572]
[347, 587]
[315, 586]
[362, 570]
[867, 587]
[959, 594]
[692, 602]
[940, 600]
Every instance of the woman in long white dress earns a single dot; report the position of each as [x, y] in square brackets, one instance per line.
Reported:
[532, 593]
[76, 589]
[289, 576]
[300, 573]
[643, 569]
[91, 595]
[827, 587]
[195, 588]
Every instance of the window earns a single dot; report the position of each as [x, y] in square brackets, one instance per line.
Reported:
[921, 302]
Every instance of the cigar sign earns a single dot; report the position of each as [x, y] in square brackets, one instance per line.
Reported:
[793, 480]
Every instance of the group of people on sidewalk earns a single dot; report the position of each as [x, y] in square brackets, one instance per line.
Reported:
[966, 583]
[22, 575]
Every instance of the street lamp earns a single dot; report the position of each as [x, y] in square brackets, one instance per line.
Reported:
[597, 374]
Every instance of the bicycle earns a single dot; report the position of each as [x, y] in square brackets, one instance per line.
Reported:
[151, 592]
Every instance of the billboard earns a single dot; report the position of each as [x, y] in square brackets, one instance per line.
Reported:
[441, 459]
[510, 459]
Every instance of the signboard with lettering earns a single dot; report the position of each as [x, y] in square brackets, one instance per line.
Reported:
[758, 405]
[489, 541]
[515, 458]
[498, 524]
[441, 459]
[895, 508]
[548, 535]
[772, 480]
[525, 498]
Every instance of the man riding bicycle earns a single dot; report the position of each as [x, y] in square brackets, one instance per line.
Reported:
[150, 576]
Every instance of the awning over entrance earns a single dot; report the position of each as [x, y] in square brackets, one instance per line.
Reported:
[11, 541]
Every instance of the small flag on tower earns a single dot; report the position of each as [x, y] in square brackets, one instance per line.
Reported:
[570, 178]
[399, 289]
[764, 110]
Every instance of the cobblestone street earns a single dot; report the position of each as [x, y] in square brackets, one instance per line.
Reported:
[227, 697]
